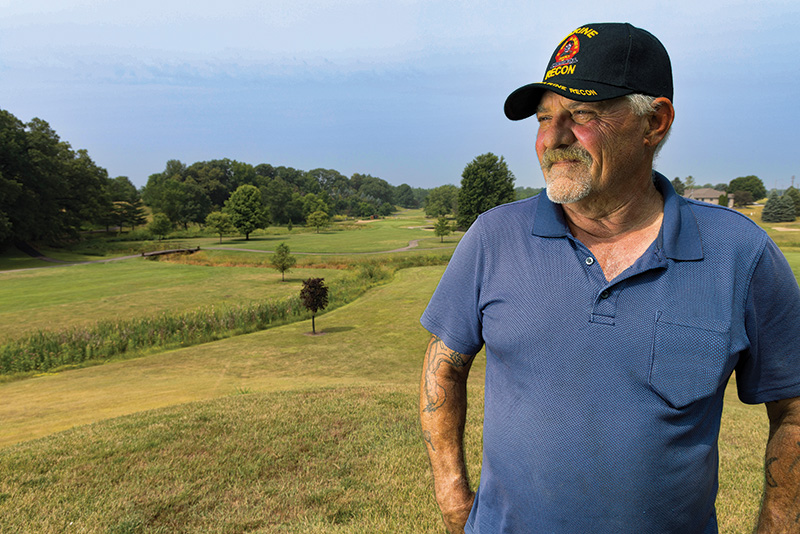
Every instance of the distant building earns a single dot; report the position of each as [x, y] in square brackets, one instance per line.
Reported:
[704, 194]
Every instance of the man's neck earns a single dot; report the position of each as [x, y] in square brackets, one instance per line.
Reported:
[607, 216]
[617, 230]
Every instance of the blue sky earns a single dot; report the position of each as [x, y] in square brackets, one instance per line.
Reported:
[406, 90]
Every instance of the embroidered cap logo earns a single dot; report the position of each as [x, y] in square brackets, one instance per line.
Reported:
[568, 50]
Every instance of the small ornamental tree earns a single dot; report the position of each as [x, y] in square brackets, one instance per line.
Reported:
[220, 222]
[314, 297]
[442, 228]
[282, 260]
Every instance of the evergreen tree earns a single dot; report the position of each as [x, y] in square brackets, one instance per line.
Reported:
[442, 228]
[485, 183]
[794, 194]
[132, 213]
[778, 209]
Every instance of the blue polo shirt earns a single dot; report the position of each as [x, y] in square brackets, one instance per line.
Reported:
[603, 399]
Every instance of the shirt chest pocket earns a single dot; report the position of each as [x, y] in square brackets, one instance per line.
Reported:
[690, 358]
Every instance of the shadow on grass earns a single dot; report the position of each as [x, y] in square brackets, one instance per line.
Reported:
[331, 330]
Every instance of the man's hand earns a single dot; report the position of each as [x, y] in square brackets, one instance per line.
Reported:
[780, 509]
[455, 507]
[443, 412]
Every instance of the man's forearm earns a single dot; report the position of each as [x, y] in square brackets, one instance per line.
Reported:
[443, 409]
[780, 509]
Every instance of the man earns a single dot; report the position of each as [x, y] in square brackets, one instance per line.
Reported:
[613, 312]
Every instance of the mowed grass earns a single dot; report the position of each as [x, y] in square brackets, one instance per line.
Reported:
[276, 431]
[79, 295]
[377, 339]
[319, 461]
[375, 236]
[786, 235]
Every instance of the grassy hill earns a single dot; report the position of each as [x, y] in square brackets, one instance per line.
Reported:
[275, 431]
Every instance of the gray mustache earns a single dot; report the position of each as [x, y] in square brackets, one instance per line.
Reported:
[573, 153]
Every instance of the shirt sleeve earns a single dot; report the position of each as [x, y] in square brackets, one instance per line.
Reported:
[453, 313]
[770, 370]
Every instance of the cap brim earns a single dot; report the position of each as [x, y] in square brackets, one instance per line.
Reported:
[523, 102]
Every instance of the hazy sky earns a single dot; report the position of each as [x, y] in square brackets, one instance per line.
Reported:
[406, 90]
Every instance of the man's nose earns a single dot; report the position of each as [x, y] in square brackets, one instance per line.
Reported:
[557, 132]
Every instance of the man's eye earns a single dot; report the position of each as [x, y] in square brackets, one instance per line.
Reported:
[581, 115]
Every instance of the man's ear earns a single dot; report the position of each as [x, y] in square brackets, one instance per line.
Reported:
[659, 123]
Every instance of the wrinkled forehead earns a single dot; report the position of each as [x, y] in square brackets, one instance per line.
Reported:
[551, 101]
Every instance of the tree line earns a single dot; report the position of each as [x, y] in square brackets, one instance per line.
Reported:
[187, 194]
[51, 192]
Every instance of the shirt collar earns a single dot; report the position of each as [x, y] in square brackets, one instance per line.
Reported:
[681, 236]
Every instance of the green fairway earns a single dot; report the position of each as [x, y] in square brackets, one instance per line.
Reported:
[351, 237]
[75, 295]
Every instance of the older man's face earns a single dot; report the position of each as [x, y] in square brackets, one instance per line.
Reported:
[588, 147]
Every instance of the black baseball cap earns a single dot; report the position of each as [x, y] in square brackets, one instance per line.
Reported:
[599, 62]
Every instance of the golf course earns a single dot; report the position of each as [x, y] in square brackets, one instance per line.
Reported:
[259, 426]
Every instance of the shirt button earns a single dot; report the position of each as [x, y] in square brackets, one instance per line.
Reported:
[590, 261]
[605, 294]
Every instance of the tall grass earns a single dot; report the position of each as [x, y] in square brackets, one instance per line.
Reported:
[45, 350]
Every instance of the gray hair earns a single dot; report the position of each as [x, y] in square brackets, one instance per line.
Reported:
[643, 105]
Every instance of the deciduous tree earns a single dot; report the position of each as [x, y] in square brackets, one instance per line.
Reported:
[405, 197]
[442, 200]
[314, 297]
[742, 198]
[318, 219]
[246, 209]
[282, 260]
[160, 226]
[485, 183]
[751, 184]
[220, 222]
